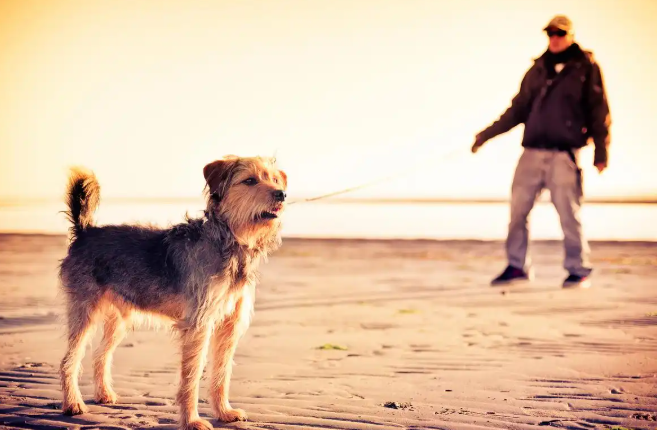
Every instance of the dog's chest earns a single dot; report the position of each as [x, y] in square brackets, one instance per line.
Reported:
[242, 270]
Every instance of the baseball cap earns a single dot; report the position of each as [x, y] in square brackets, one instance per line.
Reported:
[561, 22]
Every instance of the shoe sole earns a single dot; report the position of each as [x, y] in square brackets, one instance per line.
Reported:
[573, 285]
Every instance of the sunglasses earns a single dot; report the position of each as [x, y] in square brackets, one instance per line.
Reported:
[558, 33]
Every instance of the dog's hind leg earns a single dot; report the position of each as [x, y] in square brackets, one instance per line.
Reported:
[113, 333]
[224, 344]
[81, 313]
[194, 351]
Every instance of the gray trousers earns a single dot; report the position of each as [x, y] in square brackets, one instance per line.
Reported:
[537, 170]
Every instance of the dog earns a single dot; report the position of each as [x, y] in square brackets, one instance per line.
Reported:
[199, 275]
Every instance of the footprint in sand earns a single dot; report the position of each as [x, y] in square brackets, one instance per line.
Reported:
[642, 416]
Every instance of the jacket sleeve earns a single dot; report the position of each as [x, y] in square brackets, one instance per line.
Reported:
[514, 114]
[599, 116]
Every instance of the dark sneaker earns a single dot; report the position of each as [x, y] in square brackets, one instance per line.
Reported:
[575, 281]
[512, 275]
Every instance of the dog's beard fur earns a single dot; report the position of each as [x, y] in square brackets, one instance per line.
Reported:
[199, 274]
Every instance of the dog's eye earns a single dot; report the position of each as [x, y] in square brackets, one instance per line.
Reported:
[250, 181]
[276, 180]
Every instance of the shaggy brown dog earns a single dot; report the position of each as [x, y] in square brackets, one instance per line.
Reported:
[200, 275]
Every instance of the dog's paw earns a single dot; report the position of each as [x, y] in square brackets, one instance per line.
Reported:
[197, 424]
[231, 415]
[106, 397]
[75, 408]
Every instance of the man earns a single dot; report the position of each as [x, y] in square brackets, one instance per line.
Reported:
[562, 103]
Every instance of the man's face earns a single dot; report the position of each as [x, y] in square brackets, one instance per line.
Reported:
[559, 40]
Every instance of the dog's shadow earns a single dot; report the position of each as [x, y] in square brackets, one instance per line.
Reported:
[31, 416]
[32, 413]
[28, 400]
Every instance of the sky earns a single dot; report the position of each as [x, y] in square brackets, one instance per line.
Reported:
[340, 91]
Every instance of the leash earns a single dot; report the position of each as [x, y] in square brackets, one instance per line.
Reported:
[414, 168]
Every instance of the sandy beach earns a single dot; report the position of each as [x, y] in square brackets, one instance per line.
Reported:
[342, 327]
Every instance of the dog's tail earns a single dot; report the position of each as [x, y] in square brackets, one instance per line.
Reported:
[82, 198]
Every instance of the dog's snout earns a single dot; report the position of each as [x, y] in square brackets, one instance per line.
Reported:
[279, 195]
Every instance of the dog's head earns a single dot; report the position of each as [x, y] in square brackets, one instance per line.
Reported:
[248, 194]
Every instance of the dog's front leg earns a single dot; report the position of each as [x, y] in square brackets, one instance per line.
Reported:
[224, 343]
[195, 341]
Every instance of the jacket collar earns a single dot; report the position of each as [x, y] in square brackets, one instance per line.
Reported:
[581, 56]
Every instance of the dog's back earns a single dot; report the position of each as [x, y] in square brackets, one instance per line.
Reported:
[132, 262]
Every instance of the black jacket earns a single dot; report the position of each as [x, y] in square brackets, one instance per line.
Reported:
[562, 111]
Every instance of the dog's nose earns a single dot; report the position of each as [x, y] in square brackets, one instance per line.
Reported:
[279, 195]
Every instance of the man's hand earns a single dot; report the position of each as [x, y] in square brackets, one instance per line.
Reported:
[479, 141]
[601, 166]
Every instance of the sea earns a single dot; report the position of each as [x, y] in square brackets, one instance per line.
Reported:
[361, 219]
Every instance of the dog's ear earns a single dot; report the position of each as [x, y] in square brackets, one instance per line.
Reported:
[284, 176]
[217, 174]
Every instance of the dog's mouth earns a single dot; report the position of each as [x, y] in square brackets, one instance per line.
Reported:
[273, 213]
[268, 215]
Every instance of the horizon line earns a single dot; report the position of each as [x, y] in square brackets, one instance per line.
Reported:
[36, 233]
[16, 201]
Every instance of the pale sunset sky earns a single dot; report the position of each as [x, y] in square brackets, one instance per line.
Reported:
[145, 93]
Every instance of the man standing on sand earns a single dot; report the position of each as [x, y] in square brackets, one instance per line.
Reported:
[562, 102]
